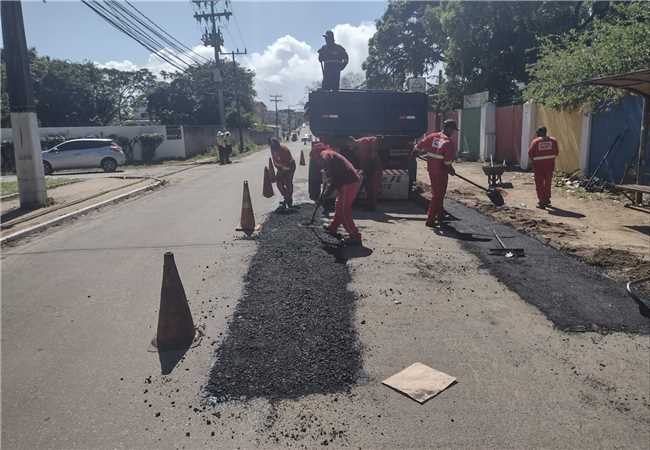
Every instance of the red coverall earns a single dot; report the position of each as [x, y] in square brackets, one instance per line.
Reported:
[285, 167]
[370, 163]
[343, 177]
[439, 154]
[542, 152]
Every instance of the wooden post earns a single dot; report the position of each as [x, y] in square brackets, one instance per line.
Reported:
[643, 142]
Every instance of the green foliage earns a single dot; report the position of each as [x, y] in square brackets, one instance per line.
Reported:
[79, 94]
[149, 143]
[126, 144]
[48, 142]
[617, 43]
[190, 98]
[481, 45]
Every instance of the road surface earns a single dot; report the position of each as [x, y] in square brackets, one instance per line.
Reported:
[80, 302]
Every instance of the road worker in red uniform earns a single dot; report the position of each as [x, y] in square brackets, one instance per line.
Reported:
[285, 167]
[542, 152]
[341, 175]
[367, 150]
[436, 147]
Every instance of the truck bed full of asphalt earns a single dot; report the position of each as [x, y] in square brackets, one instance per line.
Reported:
[292, 333]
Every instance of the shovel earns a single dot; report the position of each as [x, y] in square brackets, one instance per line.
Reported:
[494, 195]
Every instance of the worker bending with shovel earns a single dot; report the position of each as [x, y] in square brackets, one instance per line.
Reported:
[437, 150]
[339, 174]
[285, 167]
[542, 151]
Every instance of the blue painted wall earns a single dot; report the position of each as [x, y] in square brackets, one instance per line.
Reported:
[605, 126]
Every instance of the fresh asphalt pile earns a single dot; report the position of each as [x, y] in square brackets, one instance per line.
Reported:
[292, 333]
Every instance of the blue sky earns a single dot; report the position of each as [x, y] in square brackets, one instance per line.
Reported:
[281, 37]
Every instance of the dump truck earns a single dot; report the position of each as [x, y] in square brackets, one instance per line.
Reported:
[400, 117]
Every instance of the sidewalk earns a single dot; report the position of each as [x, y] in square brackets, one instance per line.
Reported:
[593, 226]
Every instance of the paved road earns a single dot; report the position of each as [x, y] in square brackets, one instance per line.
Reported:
[80, 307]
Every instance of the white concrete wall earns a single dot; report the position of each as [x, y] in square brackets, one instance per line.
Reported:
[174, 148]
[527, 132]
[487, 146]
[585, 142]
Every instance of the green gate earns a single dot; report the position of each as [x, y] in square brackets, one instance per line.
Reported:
[470, 134]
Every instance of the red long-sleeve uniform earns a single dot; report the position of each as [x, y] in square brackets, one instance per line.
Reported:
[440, 154]
[370, 163]
[344, 177]
[542, 152]
[285, 166]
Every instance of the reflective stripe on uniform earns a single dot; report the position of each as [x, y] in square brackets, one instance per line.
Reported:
[538, 158]
[447, 163]
[435, 156]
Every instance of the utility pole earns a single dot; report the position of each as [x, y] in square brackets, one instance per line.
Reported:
[234, 68]
[212, 37]
[275, 98]
[27, 144]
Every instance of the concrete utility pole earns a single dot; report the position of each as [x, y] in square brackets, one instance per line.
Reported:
[27, 144]
[212, 37]
[234, 67]
[275, 98]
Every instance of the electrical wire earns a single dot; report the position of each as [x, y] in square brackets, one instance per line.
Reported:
[104, 14]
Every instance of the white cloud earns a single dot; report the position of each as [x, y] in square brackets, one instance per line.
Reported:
[287, 67]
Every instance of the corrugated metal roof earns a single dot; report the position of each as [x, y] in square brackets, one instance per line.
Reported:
[637, 82]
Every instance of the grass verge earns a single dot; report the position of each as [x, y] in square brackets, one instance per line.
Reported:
[11, 187]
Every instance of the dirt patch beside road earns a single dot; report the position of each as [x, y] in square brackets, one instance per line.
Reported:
[292, 333]
[594, 227]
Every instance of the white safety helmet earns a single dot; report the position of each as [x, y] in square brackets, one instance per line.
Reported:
[219, 133]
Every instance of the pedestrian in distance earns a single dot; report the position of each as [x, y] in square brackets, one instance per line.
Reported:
[333, 58]
[367, 152]
[340, 175]
[436, 148]
[285, 167]
[542, 151]
[221, 147]
[227, 143]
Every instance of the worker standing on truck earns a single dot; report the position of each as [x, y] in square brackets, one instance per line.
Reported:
[333, 59]
[285, 167]
[542, 151]
[436, 148]
[342, 176]
[367, 150]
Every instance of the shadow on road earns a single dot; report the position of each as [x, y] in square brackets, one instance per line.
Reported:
[169, 359]
[446, 230]
[552, 210]
[644, 229]
[344, 254]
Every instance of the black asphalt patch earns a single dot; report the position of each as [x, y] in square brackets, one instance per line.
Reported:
[572, 294]
[292, 333]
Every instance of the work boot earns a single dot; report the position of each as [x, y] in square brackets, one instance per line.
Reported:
[541, 205]
[352, 241]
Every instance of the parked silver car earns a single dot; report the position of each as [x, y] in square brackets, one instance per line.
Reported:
[83, 154]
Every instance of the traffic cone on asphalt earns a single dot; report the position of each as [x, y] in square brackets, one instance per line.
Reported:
[247, 217]
[175, 325]
[267, 189]
[271, 170]
[302, 158]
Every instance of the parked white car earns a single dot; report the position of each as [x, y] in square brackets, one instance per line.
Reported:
[83, 154]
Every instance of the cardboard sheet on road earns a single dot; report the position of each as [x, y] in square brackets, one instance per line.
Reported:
[420, 382]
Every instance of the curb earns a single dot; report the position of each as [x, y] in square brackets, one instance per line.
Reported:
[9, 196]
[41, 226]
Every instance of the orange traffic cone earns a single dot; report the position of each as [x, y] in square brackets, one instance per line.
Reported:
[271, 170]
[175, 325]
[247, 217]
[267, 189]
[302, 158]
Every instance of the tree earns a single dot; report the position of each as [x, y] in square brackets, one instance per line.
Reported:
[127, 90]
[482, 45]
[190, 97]
[615, 43]
[352, 80]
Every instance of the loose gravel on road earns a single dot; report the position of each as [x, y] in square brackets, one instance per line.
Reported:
[292, 333]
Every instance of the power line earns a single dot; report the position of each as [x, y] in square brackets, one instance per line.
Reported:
[104, 14]
[179, 43]
[276, 98]
[241, 36]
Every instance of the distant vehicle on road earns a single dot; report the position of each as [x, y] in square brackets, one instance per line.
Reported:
[83, 154]
[307, 138]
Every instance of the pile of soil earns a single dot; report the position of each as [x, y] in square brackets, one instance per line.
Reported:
[292, 333]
